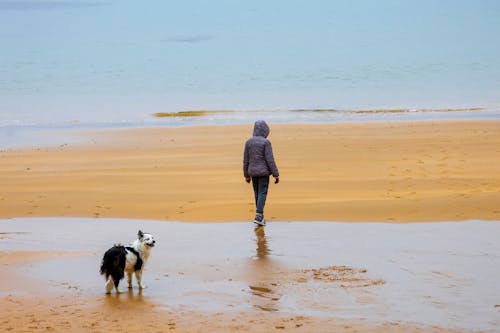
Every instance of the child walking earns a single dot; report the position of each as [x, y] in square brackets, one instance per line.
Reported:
[258, 165]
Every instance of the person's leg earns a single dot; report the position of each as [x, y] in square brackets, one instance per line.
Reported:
[263, 185]
[255, 183]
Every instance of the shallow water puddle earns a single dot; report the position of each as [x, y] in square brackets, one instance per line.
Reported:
[433, 273]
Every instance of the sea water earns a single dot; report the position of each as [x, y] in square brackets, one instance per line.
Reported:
[114, 63]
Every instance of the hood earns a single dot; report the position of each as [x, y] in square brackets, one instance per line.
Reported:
[260, 128]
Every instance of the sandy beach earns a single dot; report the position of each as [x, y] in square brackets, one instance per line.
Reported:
[373, 172]
[339, 279]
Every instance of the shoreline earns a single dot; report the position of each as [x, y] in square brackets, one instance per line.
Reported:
[366, 172]
[26, 133]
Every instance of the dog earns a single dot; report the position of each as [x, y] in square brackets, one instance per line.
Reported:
[130, 259]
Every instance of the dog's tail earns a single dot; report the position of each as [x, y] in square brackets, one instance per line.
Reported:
[113, 263]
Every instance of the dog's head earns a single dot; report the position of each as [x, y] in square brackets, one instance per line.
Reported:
[146, 239]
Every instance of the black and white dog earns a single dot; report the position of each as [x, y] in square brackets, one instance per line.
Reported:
[130, 259]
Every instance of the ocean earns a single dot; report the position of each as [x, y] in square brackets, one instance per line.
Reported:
[80, 64]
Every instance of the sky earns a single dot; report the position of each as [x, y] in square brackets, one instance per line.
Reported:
[103, 58]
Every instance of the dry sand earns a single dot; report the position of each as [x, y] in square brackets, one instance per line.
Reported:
[427, 171]
[388, 172]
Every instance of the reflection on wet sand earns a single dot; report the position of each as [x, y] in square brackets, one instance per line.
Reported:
[262, 271]
[262, 247]
[131, 300]
[129, 296]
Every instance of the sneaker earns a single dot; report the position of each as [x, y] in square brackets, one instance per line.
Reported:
[259, 220]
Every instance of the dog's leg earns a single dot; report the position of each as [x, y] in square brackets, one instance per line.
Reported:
[129, 279]
[109, 285]
[117, 283]
[138, 277]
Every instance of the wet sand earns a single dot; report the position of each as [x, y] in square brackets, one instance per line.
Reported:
[382, 172]
[299, 277]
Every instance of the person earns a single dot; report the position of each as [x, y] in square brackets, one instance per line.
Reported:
[258, 166]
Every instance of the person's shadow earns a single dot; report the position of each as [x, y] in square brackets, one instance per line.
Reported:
[262, 275]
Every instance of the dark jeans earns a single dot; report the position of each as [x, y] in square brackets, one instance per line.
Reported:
[260, 186]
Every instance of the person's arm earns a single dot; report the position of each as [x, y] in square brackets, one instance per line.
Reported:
[269, 156]
[246, 162]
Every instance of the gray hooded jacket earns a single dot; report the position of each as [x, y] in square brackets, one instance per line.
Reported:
[258, 159]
